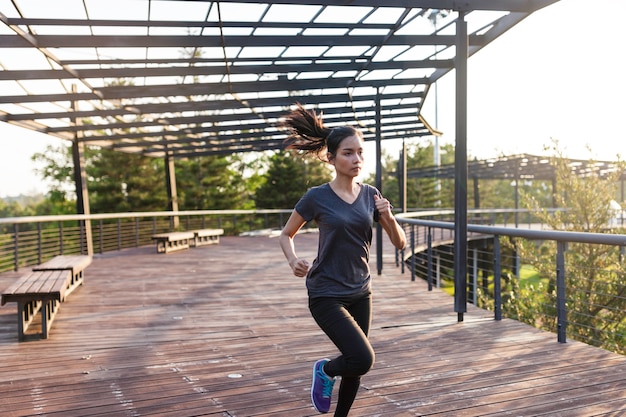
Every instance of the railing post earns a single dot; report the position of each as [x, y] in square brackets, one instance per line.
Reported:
[39, 243]
[119, 234]
[429, 258]
[101, 238]
[497, 276]
[136, 232]
[561, 311]
[412, 252]
[81, 239]
[61, 239]
[474, 274]
[16, 251]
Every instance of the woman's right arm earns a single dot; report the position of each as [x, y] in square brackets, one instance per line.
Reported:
[299, 266]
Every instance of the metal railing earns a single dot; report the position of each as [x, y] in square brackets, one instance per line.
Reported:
[494, 266]
[26, 241]
[593, 307]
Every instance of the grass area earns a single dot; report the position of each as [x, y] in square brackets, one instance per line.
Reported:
[528, 276]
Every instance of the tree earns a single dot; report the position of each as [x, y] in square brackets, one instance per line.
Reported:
[596, 294]
[248, 170]
[120, 181]
[287, 179]
[208, 183]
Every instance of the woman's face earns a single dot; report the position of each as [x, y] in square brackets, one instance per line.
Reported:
[348, 160]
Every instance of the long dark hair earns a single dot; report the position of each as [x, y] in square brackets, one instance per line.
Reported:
[307, 132]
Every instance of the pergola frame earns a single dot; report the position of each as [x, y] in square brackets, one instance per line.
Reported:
[195, 105]
[518, 168]
[243, 65]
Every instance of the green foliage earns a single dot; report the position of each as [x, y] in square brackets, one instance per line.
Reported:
[249, 176]
[11, 209]
[121, 182]
[596, 294]
[208, 183]
[55, 204]
[288, 177]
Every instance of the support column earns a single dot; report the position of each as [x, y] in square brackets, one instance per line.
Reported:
[379, 184]
[403, 177]
[172, 194]
[80, 182]
[460, 167]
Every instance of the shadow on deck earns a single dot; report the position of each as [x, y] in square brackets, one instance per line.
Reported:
[224, 330]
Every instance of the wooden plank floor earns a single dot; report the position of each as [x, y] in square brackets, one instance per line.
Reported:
[224, 330]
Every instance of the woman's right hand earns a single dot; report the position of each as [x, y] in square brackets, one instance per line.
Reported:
[300, 267]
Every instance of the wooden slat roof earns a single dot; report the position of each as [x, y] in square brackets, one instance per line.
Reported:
[224, 330]
[195, 78]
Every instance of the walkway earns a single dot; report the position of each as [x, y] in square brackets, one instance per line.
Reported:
[224, 330]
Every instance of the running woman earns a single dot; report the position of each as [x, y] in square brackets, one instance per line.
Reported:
[338, 281]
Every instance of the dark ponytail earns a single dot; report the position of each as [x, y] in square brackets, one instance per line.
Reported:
[307, 132]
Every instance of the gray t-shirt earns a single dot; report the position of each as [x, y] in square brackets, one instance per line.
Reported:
[341, 266]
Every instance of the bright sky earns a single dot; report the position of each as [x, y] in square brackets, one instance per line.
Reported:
[558, 74]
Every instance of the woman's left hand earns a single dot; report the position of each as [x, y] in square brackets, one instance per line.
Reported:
[383, 206]
[389, 223]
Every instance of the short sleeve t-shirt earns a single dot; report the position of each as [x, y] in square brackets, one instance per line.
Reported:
[341, 267]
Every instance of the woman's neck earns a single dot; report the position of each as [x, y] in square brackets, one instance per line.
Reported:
[346, 184]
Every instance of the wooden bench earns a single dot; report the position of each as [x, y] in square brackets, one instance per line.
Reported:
[37, 291]
[43, 289]
[173, 241]
[76, 264]
[207, 236]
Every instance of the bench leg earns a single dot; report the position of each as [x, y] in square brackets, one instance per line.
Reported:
[206, 240]
[176, 245]
[167, 246]
[45, 325]
[161, 246]
[48, 312]
[77, 280]
[26, 312]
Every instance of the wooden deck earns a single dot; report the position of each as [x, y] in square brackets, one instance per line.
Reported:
[224, 330]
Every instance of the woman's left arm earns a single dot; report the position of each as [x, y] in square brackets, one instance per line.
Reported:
[389, 223]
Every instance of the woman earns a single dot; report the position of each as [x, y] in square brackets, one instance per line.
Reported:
[338, 281]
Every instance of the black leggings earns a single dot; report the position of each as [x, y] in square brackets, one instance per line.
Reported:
[346, 321]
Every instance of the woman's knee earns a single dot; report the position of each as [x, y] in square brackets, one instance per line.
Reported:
[362, 363]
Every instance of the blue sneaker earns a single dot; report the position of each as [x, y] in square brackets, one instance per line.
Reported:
[322, 387]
